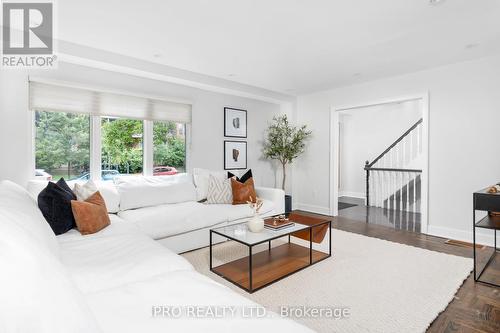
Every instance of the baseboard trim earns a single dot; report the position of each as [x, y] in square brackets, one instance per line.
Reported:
[313, 208]
[482, 237]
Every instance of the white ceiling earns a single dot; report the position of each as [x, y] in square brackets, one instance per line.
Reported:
[289, 46]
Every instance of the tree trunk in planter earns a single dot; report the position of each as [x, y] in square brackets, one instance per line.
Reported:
[284, 176]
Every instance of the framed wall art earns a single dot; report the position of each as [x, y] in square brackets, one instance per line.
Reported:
[235, 123]
[235, 155]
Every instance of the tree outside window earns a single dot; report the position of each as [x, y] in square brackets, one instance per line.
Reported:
[169, 147]
[62, 144]
[122, 148]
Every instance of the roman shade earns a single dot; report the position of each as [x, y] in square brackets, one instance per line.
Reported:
[62, 98]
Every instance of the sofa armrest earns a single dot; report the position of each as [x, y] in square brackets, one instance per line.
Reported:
[277, 196]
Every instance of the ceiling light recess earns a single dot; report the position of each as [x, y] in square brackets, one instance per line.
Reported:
[436, 2]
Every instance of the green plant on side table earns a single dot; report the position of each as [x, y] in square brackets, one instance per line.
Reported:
[285, 142]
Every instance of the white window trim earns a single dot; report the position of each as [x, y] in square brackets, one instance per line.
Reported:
[95, 148]
[187, 137]
[147, 148]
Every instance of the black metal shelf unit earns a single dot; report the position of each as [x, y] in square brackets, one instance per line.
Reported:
[489, 202]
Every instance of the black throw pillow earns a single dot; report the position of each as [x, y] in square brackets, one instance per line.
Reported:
[243, 178]
[62, 183]
[55, 203]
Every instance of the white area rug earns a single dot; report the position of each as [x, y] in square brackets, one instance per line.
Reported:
[388, 287]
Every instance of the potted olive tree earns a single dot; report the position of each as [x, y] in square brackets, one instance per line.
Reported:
[285, 142]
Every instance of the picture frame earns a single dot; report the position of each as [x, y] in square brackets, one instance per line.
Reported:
[235, 123]
[235, 155]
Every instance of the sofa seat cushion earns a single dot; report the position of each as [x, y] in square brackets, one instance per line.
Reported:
[117, 227]
[130, 307]
[173, 219]
[238, 212]
[109, 261]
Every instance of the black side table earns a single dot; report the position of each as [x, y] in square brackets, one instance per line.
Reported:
[489, 202]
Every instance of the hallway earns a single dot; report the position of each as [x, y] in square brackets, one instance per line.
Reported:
[355, 209]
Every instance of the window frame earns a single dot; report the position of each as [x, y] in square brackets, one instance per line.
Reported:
[96, 145]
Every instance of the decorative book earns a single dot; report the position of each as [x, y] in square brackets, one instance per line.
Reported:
[276, 224]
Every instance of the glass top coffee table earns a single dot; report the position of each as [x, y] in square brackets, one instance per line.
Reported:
[260, 269]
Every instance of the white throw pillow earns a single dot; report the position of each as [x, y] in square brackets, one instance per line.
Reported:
[36, 291]
[83, 192]
[23, 210]
[201, 178]
[219, 191]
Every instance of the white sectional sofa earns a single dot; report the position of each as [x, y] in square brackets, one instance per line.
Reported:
[110, 281]
[167, 210]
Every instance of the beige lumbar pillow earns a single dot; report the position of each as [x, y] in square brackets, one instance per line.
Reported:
[201, 178]
[219, 191]
[83, 192]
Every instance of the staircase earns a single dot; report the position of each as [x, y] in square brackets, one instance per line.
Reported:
[393, 179]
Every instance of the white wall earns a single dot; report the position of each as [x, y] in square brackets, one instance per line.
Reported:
[206, 150]
[463, 140]
[365, 133]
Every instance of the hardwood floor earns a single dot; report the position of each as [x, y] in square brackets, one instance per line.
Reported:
[375, 215]
[476, 307]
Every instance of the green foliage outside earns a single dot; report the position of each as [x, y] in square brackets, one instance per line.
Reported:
[169, 148]
[121, 145]
[63, 142]
[285, 142]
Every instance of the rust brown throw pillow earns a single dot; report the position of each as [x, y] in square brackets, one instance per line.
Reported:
[243, 192]
[91, 215]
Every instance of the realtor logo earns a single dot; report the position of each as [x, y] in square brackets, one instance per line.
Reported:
[27, 36]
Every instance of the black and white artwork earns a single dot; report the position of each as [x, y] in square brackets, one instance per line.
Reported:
[235, 123]
[235, 155]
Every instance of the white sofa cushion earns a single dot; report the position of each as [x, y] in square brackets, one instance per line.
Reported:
[173, 219]
[106, 188]
[105, 262]
[110, 195]
[21, 209]
[137, 192]
[37, 294]
[201, 179]
[129, 309]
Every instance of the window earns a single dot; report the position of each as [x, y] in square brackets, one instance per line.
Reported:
[82, 133]
[121, 147]
[169, 148]
[62, 145]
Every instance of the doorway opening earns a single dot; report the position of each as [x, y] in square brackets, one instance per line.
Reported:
[379, 163]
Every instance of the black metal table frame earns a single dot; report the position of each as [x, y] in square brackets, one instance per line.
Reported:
[250, 289]
[477, 277]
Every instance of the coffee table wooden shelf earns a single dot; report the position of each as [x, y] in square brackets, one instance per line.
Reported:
[258, 270]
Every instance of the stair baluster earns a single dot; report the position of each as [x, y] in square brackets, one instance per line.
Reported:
[388, 183]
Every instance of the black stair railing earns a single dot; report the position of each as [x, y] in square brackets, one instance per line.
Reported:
[369, 167]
